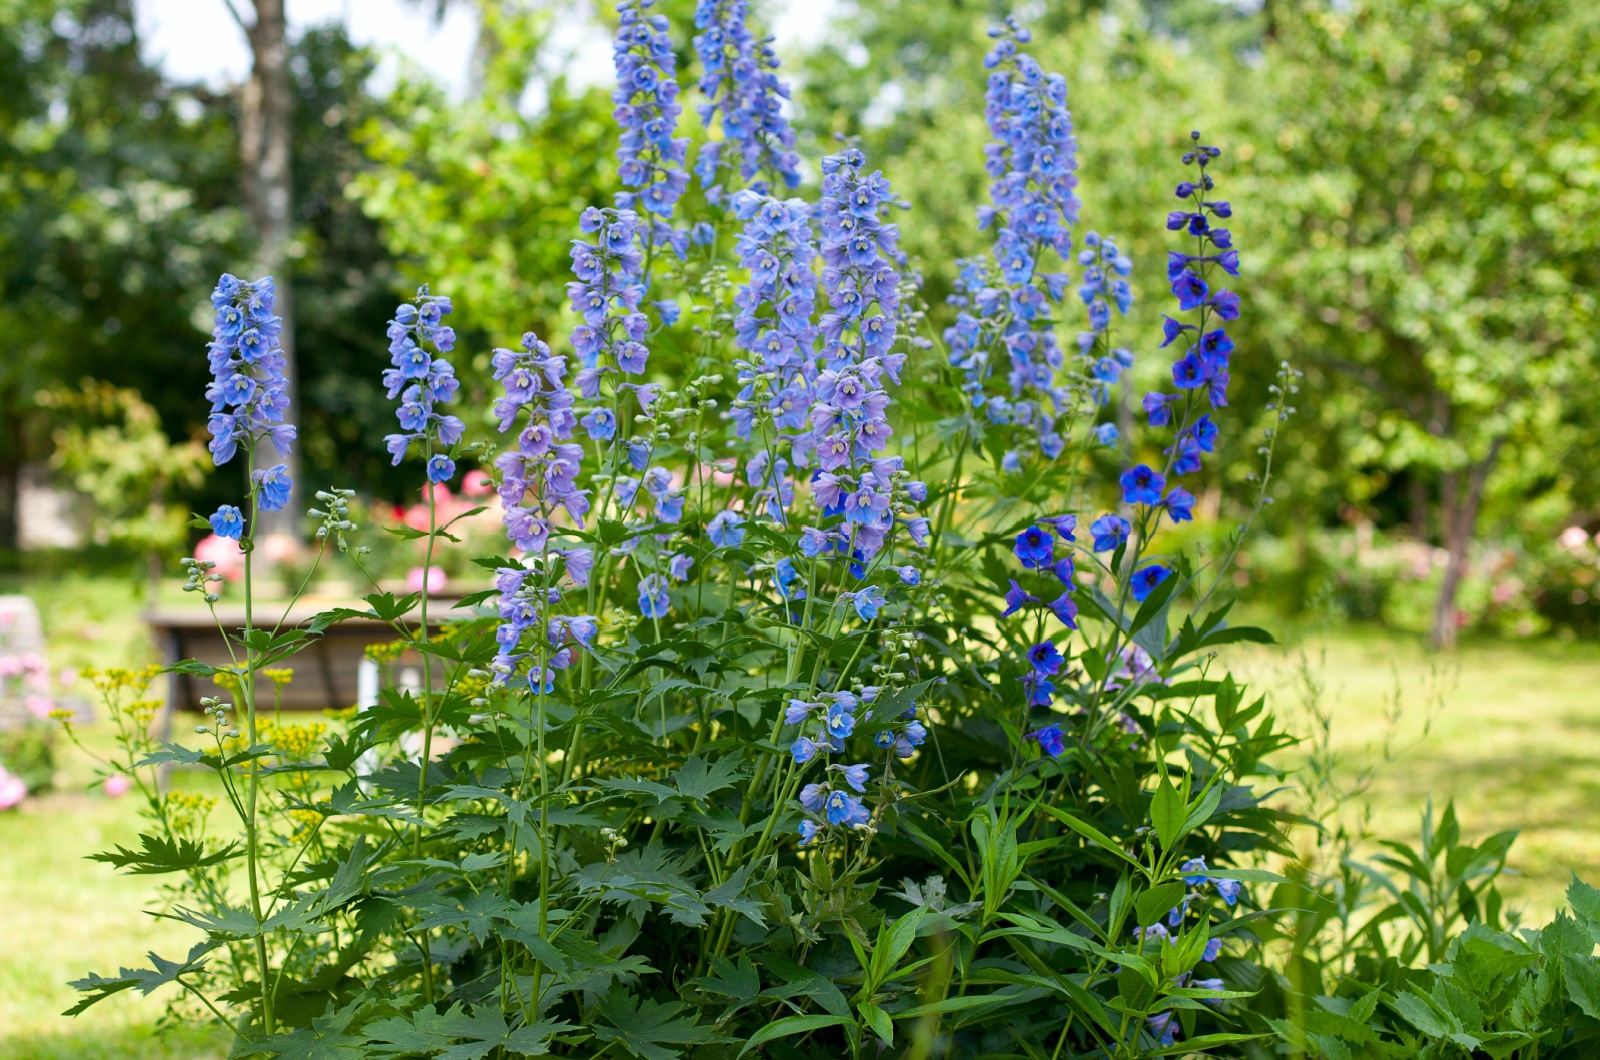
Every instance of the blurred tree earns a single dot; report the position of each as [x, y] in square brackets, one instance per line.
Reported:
[346, 284]
[481, 197]
[111, 446]
[115, 216]
[1431, 209]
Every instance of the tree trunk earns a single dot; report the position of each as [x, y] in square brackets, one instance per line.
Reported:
[11, 460]
[1460, 518]
[264, 144]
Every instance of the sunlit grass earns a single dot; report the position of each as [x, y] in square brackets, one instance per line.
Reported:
[1509, 730]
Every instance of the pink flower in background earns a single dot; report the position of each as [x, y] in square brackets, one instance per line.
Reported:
[476, 484]
[280, 548]
[118, 785]
[40, 707]
[12, 789]
[225, 553]
[1575, 539]
[67, 677]
[436, 580]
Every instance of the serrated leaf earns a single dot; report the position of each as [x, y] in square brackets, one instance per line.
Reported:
[646, 1028]
[163, 855]
[698, 779]
[145, 980]
[459, 1035]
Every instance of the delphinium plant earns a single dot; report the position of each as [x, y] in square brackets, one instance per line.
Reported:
[759, 742]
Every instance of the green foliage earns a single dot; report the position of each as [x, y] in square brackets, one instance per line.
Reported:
[484, 191]
[112, 446]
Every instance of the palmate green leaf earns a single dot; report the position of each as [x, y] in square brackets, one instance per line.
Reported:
[459, 1035]
[741, 981]
[699, 779]
[732, 894]
[647, 1028]
[163, 855]
[145, 980]
[327, 1038]
[816, 986]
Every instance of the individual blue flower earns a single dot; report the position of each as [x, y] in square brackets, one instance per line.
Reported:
[1194, 871]
[808, 831]
[1016, 598]
[1159, 408]
[1041, 690]
[1213, 950]
[1050, 740]
[839, 719]
[1163, 1027]
[227, 521]
[1064, 570]
[1045, 658]
[784, 576]
[811, 797]
[1142, 485]
[678, 566]
[1065, 526]
[804, 750]
[846, 810]
[910, 575]
[855, 776]
[726, 530]
[1106, 434]
[653, 599]
[272, 487]
[1065, 609]
[1035, 548]
[1145, 580]
[812, 542]
[601, 424]
[1109, 532]
[1179, 503]
[868, 602]
[440, 468]
[1228, 890]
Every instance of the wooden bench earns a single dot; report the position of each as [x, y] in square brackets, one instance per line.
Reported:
[331, 672]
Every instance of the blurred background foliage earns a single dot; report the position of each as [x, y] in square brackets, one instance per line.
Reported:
[1417, 186]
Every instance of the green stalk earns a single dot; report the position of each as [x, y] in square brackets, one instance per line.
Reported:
[247, 692]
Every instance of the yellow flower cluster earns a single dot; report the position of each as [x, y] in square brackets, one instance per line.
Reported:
[297, 742]
[187, 811]
[114, 680]
[389, 652]
[305, 821]
[279, 676]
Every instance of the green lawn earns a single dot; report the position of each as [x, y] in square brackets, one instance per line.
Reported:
[1512, 734]
[1508, 729]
